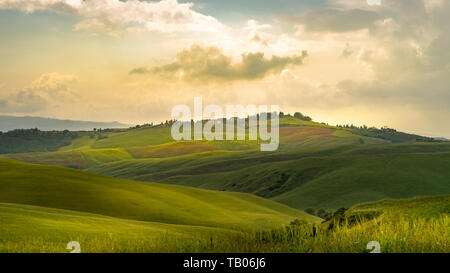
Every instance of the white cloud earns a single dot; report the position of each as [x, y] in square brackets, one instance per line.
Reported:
[52, 83]
[113, 15]
[48, 90]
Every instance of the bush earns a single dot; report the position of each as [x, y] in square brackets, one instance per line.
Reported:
[302, 117]
[310, 211]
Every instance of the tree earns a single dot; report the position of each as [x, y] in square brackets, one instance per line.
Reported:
[302, 117]
[322, 213]
[310, 211]
[298, 222]
[298, 115]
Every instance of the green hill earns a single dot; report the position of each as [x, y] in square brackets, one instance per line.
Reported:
[408, 225]
[415, 225]
[56, 187]
[318, 166]
[235, 186]
[304, 178]
[352, 180]
[420, 206]
[293, 133]
[25, 229]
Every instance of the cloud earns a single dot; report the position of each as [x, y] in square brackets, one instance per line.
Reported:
[48, 89]
[347, 52]
[409, 56]
[22, 102]
[52, 83]
[257, 39]
[112, 16]
[334, 20]
[210, 63]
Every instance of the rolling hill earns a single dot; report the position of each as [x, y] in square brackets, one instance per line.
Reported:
[317, 166]
[218, 196]
[407, 225]
[116, 215]
[420, 206]
[34, 229]
[62, 188]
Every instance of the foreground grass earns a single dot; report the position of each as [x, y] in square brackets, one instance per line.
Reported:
[400, 226]
[34, 229]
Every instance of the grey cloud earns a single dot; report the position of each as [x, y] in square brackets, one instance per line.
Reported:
[39, 94]
[139, 70]
[23, 102]
[347, 52]
[209, 63]
[335, 20]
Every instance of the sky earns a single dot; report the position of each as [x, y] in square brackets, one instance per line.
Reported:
[363, 62]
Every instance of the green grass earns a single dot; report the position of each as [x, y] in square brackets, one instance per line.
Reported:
[26, 228]
[411, 225]
[62, 188]
[325, 177]
[304, 178]
[346, 181]
[420, 206]
[136, 137]
[418, 225]
[78, 159]
[317, 166]
[293, 133]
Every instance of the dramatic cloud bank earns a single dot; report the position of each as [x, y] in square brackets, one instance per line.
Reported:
[113, 15]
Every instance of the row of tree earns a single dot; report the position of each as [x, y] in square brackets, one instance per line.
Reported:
[34, 140]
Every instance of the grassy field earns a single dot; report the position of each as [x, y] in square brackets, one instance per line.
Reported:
[34, 229]
[62, 188]
[318, 166]
[412, 225]
[417, 225]
[44, 207]
[227, 196]
[305, 178]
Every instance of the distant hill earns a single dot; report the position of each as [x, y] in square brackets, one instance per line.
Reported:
[441, 139]
[8, 123]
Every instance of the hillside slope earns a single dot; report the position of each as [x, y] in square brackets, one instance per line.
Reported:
[305, 178]
[317, 166]
[56, 187]
[31, 229]
[420, 206]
